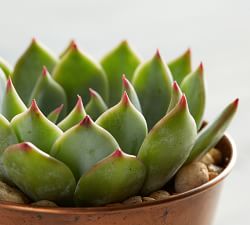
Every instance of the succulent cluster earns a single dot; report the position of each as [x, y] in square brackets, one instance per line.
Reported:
[132, 136]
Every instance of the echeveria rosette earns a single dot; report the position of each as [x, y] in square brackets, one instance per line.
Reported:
[126, 124]
[113, 179]
[121, 60]
[76, 73]
[167, 146]
[152, 81]
[64, 156]
[29, 66]
[37, 174]
[83, 145]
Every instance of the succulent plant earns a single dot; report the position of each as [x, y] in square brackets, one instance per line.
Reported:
[140, 124]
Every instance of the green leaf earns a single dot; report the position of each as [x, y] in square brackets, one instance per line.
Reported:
[113, 179]
[167, 146]
[77, 72]
[12, 104]
[96, 105]
[54, 115]
[175, 96]
[194, 88]
[181, 66]
[48, 93]
[121, 60]
[126, 124]
[28, 68]
[6, 68]
[34, 127]
[74, 117]
[3, 82]
[38, 175]
[83, 145]
[128, 87]
[213, 132]
[152, 81]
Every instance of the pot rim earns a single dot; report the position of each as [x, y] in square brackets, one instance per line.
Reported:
[94, 210]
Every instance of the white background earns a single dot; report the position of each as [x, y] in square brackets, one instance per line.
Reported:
[218, 32]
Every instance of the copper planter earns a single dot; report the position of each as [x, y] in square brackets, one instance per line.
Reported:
[195, 207]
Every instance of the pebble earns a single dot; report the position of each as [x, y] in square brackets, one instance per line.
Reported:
[191, 176]
[11, 194]
[133, 200]
[216, 155]
[44, 203]
[159, 195]
[207, 159]
[214, 168]
[212, 175]
[148, 199]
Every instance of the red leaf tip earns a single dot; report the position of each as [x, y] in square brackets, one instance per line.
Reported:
[117, 153]
[25, 146]
[125, 98]
[201, 68]
[79, 103]
[33, 106]
[92, 92]
[188, 52]
[74, 45]
[9, 85]
[34, 40]
[176, 86]
[87, 121]
[183, 101]
[124, 42]
[157, 54]
[125, 81]
[58, 109]
[44, 71]
[236, 102]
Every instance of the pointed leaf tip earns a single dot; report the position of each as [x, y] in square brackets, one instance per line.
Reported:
[34, 40]
[9, 85]
[124, 42]
[59, 109]
[176, 86]
[201, 68]
[125, 98]
[74, 45]
[92, 92]
[79, 104]
[33, 106]
[25, 146]
[45, 71]
[125, 81]
[117, 153]
[236, 102]
[87, 121]
[183, 101]
[157, 54]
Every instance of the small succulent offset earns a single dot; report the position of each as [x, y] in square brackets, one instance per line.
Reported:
[133, 135]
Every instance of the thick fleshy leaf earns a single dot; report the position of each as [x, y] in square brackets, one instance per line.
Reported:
[77, 72]
[3, 82]
[6, 68]
[83, 145]
[54, 115]
[74, 117]
[37, 174]
[121, 60]
[7, 138]
[175, 96]
[96, 105]
[67, 49]
[28, 68]
[12, 104]
[48, 93]
[152, 81]
[194, 88]
[128, 87]
[113, 179]
[181, 66]
[126, 124]
[167, 146]
[34, 127]
[213, 132]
